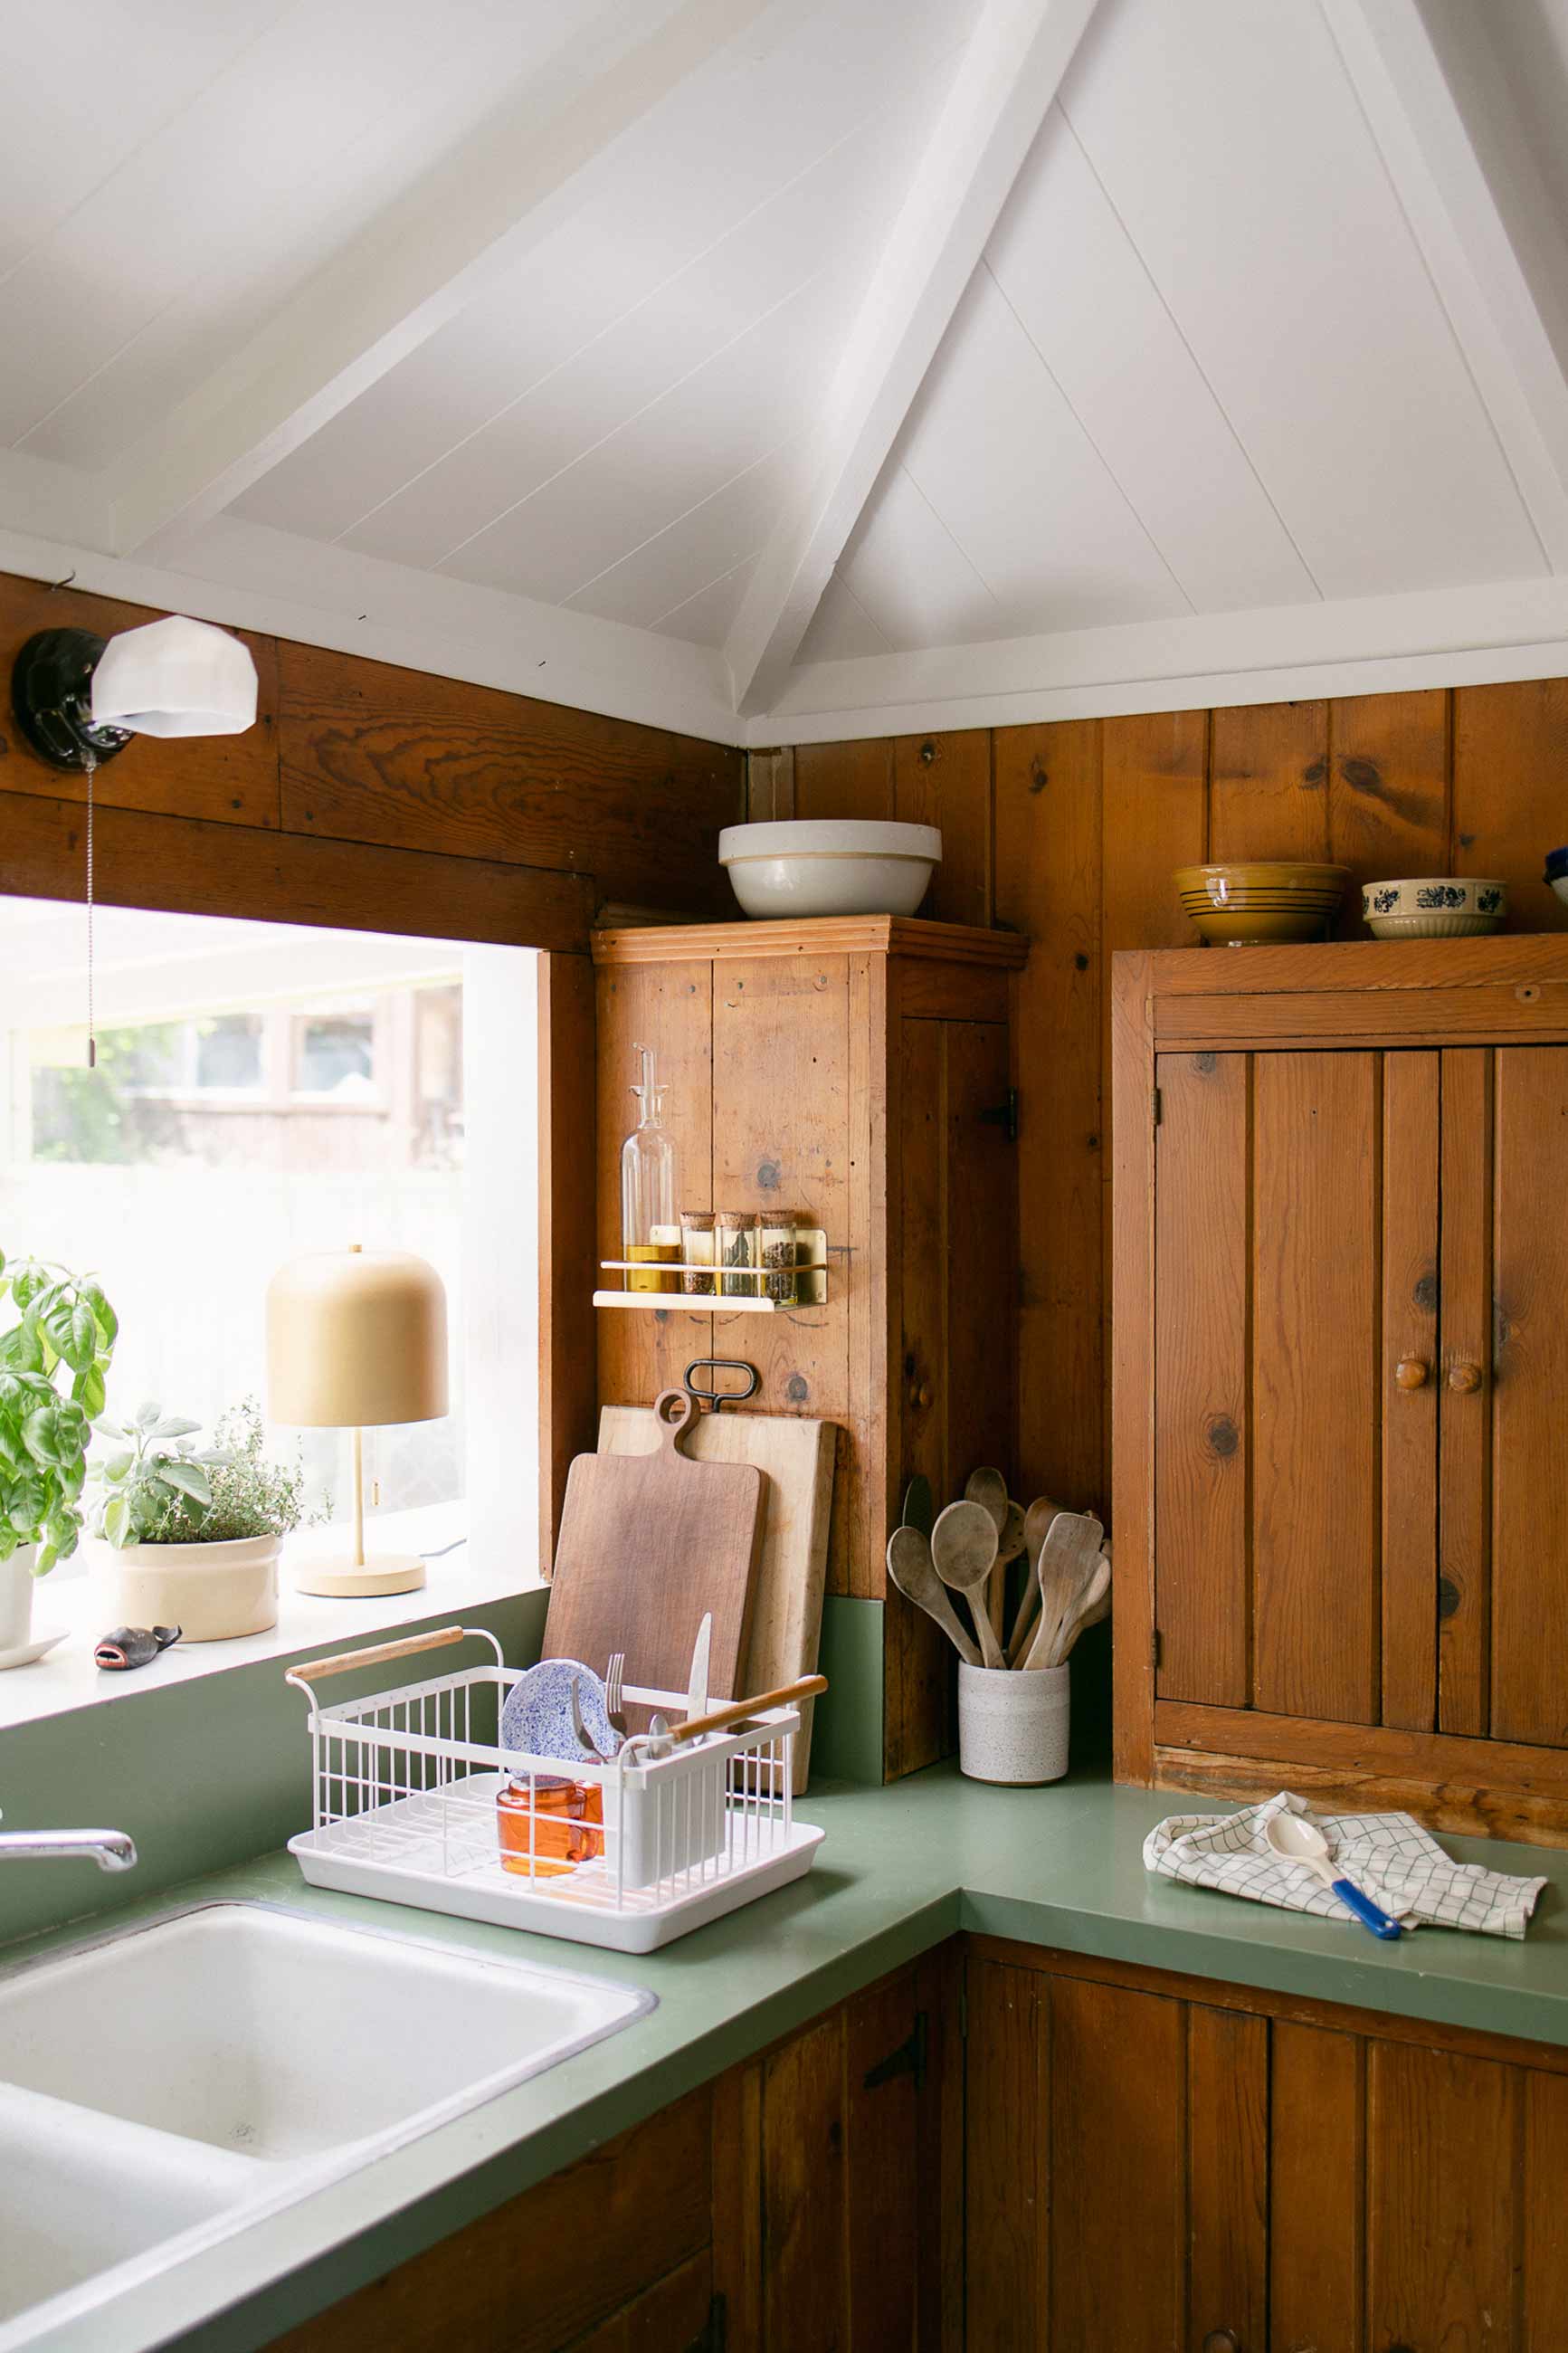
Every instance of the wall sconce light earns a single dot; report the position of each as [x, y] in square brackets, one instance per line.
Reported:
[78, 698]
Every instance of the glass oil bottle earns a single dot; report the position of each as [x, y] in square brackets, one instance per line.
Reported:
[650, 1230]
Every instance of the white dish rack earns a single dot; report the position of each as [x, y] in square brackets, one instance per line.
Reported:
[404, 1808]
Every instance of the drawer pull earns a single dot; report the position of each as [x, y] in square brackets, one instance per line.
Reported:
[1222, 2340]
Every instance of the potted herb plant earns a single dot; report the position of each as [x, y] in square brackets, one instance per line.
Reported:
[54, 1354]
[194, 1533]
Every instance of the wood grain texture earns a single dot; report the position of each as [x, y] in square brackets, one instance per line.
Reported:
[1228, 2186]
[1443, 2200]
[1269, 782]
[225, 779]
[885, 2221]
[1118, 2118]
[1008, 2147]
[1388, 791]
[1545, 2252]
[804, 2253]
[1132, 1360]
[1464, 1632]
[672, 2314]
[945, 781]
[1529, 1462]
[370, 753]
[648, 1544]
[845, 779]
[1203, 1598]
[1317, 2183]
[568, 1334]
[642, 2203]
[737, 2179]
[1511, 768]
[191, 866]
[1409, 1309]
[1316, 1604]
[1048, 887]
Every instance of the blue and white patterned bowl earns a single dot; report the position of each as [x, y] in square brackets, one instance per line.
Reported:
[1557, 871]
[537, 1717]
[1434, 907]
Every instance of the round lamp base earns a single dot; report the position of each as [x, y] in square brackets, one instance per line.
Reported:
[387, 1572]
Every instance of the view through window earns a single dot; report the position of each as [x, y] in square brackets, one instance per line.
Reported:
[263, 1090]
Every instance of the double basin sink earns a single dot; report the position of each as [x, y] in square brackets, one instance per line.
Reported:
[165, 2086]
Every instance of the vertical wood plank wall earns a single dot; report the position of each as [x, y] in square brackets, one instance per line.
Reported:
[1068, 832]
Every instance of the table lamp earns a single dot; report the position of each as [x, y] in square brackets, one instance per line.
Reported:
[356, 1339]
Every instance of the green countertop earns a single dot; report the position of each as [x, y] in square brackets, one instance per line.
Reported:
[901, 1869]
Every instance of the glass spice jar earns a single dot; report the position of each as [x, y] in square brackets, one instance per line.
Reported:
[735, 1248]
[779, 1255]
[696, 1250]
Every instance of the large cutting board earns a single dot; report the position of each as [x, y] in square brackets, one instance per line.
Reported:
[649, 1544]
[796, 1458]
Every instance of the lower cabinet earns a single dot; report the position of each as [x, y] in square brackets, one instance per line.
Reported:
[1159, 2165]
[796, 2205]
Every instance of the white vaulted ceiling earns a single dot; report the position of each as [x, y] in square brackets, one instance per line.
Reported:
[793, 370]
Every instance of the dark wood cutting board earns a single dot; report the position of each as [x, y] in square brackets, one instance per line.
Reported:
[649, 1543]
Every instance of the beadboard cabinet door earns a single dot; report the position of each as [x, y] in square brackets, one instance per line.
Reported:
[1350, 1496]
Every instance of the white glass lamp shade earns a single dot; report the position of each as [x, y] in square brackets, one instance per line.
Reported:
[355, 1339]
[176, 677]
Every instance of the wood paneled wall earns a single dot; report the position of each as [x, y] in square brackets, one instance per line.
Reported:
[1070, 833]
[374, 798]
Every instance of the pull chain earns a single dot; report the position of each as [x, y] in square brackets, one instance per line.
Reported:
[91, 766]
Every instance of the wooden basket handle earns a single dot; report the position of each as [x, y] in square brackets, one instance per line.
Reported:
[315, 1670]
[737, 1710]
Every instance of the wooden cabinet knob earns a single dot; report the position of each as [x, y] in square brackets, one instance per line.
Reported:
[919, 1394]
[1411, 1373]
[1222, 2340]
[1466, 1378]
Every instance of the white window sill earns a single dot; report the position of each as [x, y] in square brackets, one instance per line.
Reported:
[81, 1606]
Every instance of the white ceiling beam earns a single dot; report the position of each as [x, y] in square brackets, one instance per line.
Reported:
[1466, 241]
[1008, 75]
[431, 251]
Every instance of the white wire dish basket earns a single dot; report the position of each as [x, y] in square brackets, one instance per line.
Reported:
[410, 1807]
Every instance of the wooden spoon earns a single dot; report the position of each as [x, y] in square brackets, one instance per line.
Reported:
[1092, 1605]
[1012, 1540]
[989, 1489]
[911, 1567]
[1037, 1528]
[1066, 1565]
[963, 1548]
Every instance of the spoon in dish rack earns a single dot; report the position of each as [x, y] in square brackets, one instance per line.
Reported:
[1295, 1840]
[585, 1740]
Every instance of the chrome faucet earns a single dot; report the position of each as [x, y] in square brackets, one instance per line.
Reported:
[111, 1850]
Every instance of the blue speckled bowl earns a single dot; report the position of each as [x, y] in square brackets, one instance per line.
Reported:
[537, 1717]
[1557, 870]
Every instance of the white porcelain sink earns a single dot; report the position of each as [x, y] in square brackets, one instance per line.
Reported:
[161, 2086]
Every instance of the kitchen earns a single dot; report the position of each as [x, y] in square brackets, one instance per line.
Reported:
[1074, 1379]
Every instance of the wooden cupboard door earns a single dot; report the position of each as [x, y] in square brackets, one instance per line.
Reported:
[1317, 2188]
[1296, 1262]
[1202, 1241]
[1529, 1596]
[1315, 1570]
[1228, 2178]
[1464, 1644]
[1117, 2170]
[1443, 2201]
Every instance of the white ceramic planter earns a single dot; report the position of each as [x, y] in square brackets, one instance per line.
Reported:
[16, 1582]
[1012, 1724]
[213, 1592]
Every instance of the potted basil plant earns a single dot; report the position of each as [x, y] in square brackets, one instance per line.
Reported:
[194, 1533]
[55, 1350]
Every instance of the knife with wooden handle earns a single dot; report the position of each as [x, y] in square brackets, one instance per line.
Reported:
[697, 1683]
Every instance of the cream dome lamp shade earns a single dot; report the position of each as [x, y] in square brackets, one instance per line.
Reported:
[356, 1339]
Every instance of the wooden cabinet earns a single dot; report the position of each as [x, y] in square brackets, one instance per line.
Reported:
[1342, 1262]
[1158, 2165]
[859, 1071]
[808, 2201]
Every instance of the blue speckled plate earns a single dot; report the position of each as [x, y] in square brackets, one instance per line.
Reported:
[537, 1717]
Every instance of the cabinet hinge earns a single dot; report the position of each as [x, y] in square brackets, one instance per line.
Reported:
[1156, 1107]
[963, 2013]
[1005, 1115]
[909, 2059]
[1154, 1647]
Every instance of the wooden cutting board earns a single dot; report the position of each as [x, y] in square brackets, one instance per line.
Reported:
[649, 1543]
[796, 1459]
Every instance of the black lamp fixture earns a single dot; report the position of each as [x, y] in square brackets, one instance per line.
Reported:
[80, 698]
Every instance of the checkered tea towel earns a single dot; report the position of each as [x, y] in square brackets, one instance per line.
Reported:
[1390, 1856]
